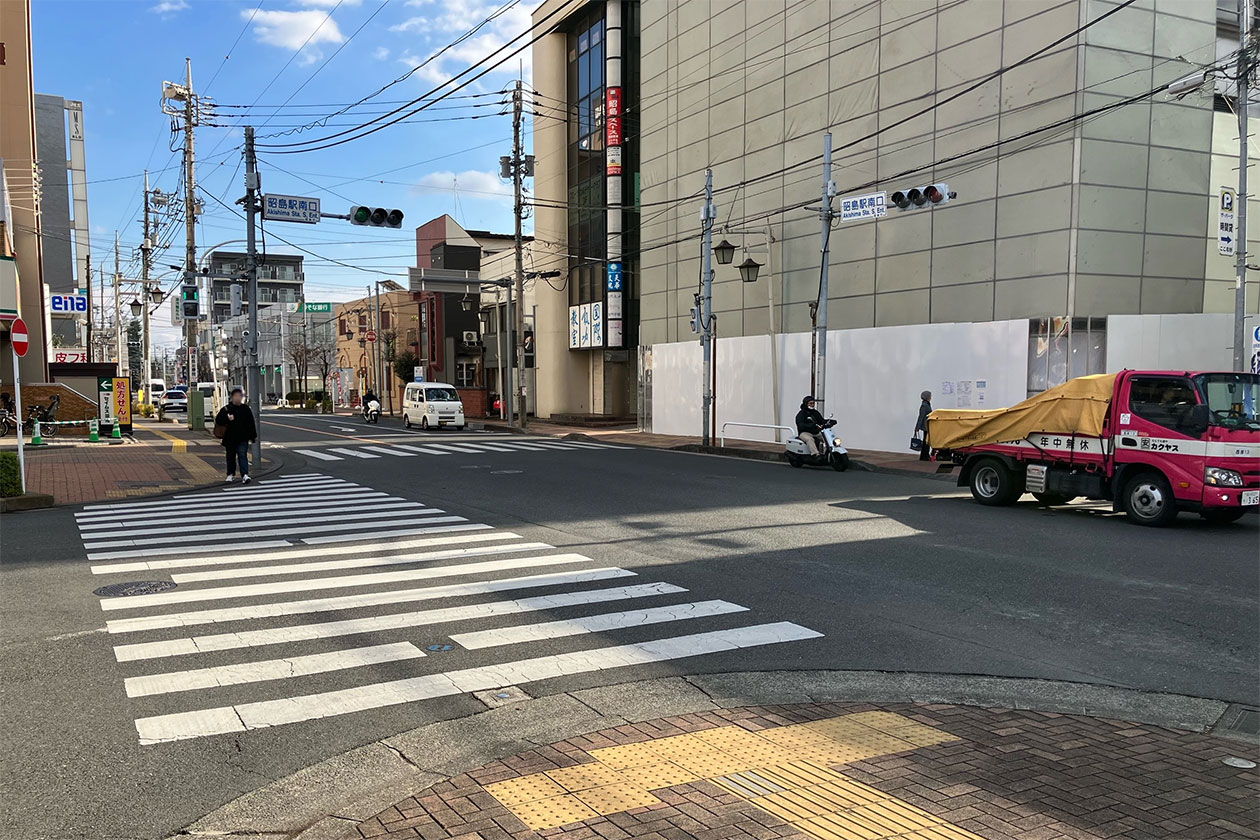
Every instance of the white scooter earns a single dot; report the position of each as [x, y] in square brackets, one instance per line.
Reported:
[372, 411]
[829, 450]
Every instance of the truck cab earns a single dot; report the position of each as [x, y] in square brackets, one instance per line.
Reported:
[1164, 442]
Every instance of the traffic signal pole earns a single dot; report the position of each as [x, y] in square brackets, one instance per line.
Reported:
[1245, 23]
[252, 184]
[828, 193]
[707, 215]
[518, 160]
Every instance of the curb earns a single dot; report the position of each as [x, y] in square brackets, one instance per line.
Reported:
[362, 782]
[27, 501]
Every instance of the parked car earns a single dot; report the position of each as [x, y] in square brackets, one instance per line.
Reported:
[432, 405]
[174, 401]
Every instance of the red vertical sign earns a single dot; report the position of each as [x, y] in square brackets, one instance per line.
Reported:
[612, 116]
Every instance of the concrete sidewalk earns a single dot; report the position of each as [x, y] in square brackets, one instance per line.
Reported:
[895, 462]
[159, 458]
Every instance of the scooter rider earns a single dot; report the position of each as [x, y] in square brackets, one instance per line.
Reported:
[368, 399]
[809, 423]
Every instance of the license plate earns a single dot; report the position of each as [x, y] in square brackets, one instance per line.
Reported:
[441, 422]
[1250, 497]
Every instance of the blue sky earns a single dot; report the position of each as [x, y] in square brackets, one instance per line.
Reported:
[114, 55]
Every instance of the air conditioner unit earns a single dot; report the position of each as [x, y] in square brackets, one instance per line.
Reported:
[470, 336]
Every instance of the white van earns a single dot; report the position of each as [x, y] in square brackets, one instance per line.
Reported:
[432, 405]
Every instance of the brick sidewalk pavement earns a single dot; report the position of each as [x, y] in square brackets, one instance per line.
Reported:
[160, 459]
[848, 771]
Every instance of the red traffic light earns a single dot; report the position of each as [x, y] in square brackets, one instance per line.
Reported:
[933, 194]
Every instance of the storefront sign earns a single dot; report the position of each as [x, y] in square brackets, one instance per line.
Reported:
[612, 136]
[597, 324]
[68, 356]
[585, 312]
[575, 331]
[612, 160]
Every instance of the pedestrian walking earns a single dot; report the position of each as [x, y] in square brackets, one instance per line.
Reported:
[925, 408]
[234, 425]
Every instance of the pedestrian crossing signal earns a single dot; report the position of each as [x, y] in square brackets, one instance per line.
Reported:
[191, 304]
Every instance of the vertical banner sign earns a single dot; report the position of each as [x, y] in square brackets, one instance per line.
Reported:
[616, 297]
[585, 311]
[612, 160]
[612, 119]
[19, 340]
[597, 324]
[575, 332]
[122, 402]
[105, 398]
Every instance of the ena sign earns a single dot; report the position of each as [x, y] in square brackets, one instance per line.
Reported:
[68, 304]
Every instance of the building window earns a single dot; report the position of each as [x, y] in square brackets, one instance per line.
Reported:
[466, 374]
[586, 183]
[1059, 350]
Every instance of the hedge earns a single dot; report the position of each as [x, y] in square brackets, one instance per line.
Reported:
[10, 478]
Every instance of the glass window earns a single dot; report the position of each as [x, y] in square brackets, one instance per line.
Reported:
[1232, 398]
[1163, 400]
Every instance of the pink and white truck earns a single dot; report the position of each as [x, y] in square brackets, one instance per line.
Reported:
[1153, 443]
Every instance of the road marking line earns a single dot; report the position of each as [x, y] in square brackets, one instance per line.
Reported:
[269, 669]
[257, 495]
[352, 453]
[220, 593]
[355, 563]
[295, 552]
[236, 505]
[592, 624]
[344, 517]
[454, 448]
[347, 508]
[334, 538]
[390, 450]
[150, 552]
[247, 716]
[421, 449]
[517, 444]
[382, 623]
[347, 602]
[303, 529]
[314, 453]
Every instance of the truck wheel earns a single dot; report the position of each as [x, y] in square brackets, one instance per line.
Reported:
[1052, 499]
[839, 463]
[1223, 515]
[993, 483]
[1148, 500]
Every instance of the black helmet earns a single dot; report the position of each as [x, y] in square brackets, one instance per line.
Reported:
[808, 399]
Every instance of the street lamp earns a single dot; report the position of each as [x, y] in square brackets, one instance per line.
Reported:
[748, 270]
[465, 303]
[136, 308]
[725, 252]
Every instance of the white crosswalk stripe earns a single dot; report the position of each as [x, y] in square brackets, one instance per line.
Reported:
[458, 446]
[257, 555]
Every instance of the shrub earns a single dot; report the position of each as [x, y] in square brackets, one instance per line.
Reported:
[327, 406]
[10, 478]
[311, 404]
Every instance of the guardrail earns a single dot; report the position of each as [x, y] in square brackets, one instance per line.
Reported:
[791, 432]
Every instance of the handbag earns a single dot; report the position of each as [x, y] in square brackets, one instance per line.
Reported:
[220, 431]
[916, 443]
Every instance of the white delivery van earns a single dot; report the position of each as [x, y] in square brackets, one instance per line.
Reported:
[432, 405]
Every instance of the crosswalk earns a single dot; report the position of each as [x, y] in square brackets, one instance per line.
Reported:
[309, 597]
[499, 444]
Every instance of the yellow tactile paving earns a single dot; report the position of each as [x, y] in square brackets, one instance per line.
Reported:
[612, 799]
[553, 812]
[659, 775]
[513, 792]
[783, 771]
[584, 776]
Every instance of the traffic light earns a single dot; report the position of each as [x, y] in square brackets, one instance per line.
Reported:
[919, 196]
[191, 304]
[376, 217]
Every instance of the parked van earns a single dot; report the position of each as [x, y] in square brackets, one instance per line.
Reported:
[432, 405]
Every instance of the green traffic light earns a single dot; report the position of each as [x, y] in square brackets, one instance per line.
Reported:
[362, 214]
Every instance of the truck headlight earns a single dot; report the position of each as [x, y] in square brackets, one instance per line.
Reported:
[1218, 477]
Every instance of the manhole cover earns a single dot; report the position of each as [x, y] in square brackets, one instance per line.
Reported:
[1245, 764]
[135, 587]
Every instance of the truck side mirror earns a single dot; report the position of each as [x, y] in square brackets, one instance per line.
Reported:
[1200, 419]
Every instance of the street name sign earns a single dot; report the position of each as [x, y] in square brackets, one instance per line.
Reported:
[869, 206]
[291, 208]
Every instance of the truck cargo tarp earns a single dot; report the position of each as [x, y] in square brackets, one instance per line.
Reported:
[1077, 407]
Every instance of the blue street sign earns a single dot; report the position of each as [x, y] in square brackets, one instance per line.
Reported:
[614, 277]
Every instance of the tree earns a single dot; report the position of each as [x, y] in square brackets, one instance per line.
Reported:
[135, 349]
[298, 352]
[323, 352]
[405, 365]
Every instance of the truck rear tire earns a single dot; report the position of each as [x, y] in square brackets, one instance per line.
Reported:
[1053, 499]
[1148, 500]
[993, 483]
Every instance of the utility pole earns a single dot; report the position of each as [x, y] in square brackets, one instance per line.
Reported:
[181, 101]
[252, 185]
[383, 379]
[518, 160]
[118, 333]
[828, 193]
[707, 215]
[146, 253]
[1240, 284]
[87, 262]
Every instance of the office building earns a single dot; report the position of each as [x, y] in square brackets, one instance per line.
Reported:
[280, 279]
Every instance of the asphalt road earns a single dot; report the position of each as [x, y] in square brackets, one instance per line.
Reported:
[896, 573]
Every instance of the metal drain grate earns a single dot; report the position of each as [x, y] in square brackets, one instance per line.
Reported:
[135, 587]
[1239, 719]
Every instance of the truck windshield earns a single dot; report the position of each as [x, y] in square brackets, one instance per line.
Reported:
[1231, 398]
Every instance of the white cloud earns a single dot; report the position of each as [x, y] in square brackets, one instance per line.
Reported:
[327, 4]
[381, 53]
[454, 18]
[471, 183]
[292, 29]
[169, 7]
